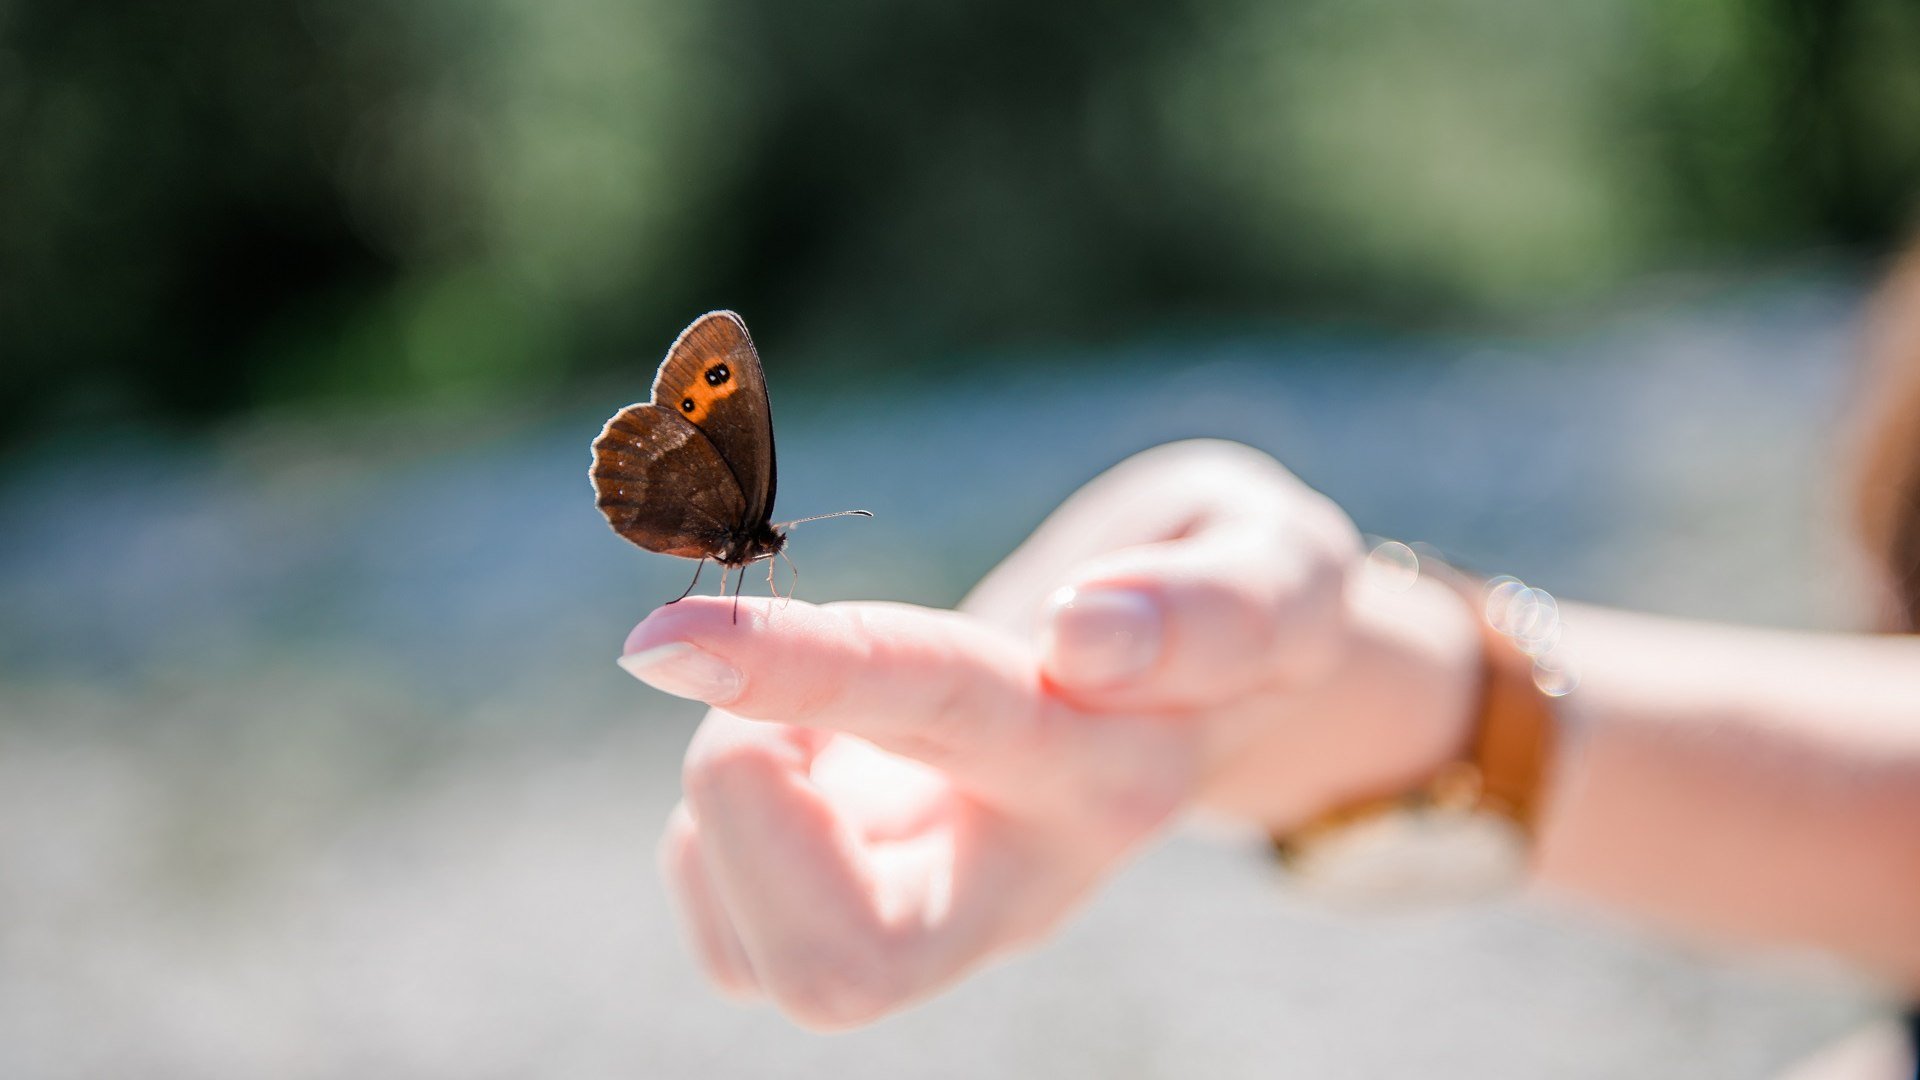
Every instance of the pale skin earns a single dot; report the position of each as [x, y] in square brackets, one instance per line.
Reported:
[886, 797]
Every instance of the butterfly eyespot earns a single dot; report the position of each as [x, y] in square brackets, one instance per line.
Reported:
[687, 405]
[718, 374]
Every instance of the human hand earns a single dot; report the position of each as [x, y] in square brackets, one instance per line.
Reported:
[936, 788]
[1307, 687]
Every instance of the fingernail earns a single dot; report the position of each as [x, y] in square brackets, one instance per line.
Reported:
[686, 670]
[1098, 639]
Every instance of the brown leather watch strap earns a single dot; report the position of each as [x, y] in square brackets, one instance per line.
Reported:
[1514, 732]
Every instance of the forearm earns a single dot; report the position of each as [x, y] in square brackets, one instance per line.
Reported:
[1734, 783]
[1744, 784]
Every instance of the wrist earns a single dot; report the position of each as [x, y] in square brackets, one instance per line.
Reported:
[1397, 707]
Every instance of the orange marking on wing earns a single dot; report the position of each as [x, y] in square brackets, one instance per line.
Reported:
[704, 397]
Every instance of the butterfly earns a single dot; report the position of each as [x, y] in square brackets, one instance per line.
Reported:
[690, 471]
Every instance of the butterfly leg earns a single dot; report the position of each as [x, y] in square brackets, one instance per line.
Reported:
[737, 586]
[793, 584]
[684, 593]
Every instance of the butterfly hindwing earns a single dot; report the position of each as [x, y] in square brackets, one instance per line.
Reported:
[663, 485]
[712, 379]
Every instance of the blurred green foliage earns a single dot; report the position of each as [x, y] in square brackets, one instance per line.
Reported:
[206, 207]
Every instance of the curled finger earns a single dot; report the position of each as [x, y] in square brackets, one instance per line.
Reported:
[715, 941]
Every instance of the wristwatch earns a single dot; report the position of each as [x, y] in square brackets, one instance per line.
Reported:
[1463, 835]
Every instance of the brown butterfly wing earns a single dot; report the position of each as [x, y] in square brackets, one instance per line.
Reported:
[662, 485]
[712, 378]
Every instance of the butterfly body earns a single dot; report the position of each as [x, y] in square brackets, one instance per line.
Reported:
[691, 471]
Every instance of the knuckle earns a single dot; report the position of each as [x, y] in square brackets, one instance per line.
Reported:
[826, 689]
[1288, 608]
[713, 770]
[1120, 814]
[840, 984]
[1142, 777]
[1307, 622]
[939, 690]
[676, 853]
[730, 983]
[1207, 454]
[1229, 624]
[1118, 778]
[943, 723]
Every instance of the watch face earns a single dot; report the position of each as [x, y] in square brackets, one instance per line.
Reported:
[1409, 860]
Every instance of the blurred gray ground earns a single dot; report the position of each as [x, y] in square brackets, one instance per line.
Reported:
[314, 760]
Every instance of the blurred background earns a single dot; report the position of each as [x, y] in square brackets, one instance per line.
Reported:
[313, 758]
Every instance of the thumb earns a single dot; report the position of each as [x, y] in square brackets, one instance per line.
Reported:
[1198, 621]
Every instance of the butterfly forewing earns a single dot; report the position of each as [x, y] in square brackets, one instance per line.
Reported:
[712, 379]
[663, 485]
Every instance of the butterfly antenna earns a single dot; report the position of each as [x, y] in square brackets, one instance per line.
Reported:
[823, 517]
[684, 593]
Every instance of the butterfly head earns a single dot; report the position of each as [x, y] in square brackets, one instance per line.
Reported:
[762, 541]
